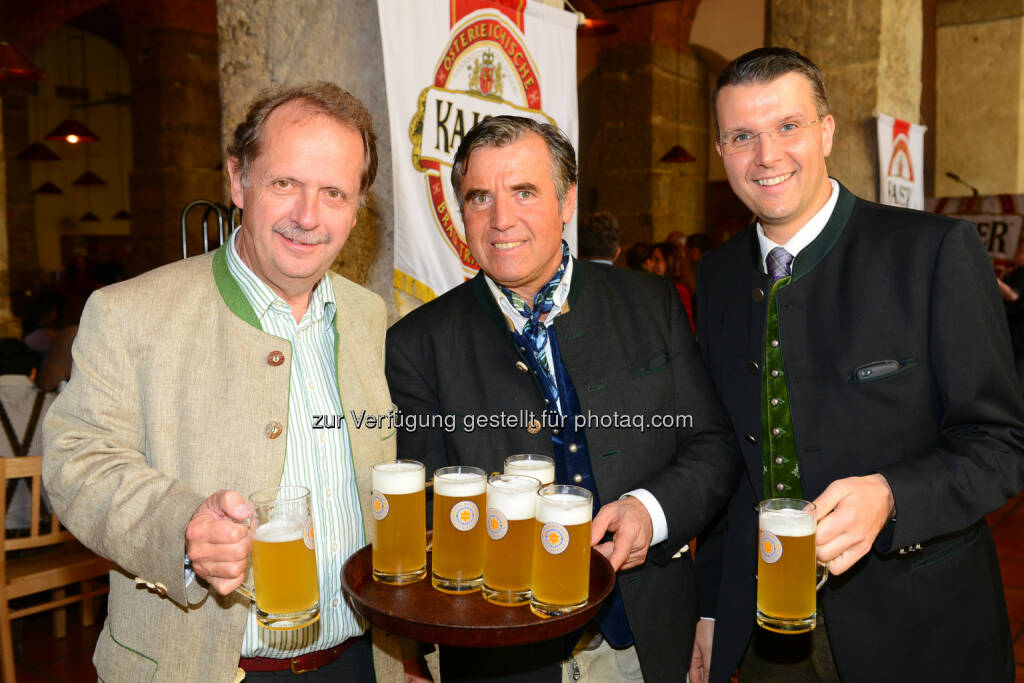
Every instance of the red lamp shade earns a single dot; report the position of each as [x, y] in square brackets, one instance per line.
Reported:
[678, 155]
[37, 151]
[89, 179]
[70, 130]
[14, 67]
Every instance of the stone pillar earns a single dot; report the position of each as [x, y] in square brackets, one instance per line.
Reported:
[653, 94]
[175, 122]
[280, 42]
[21, 225]
[870, 53]
[979, 96]
[9, 326]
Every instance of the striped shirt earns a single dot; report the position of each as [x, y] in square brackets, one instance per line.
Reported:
[320, 460]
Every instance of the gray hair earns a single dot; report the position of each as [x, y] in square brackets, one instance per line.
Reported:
[500, 131]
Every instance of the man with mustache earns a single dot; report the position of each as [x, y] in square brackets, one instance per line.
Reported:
[197, 384]
[862, 353]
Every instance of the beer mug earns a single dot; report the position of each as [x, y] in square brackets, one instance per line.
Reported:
[561, 553]
[459, 497]
[399, 508]
[508, 558]
[786, 566]
[540, 467]
[284, 586]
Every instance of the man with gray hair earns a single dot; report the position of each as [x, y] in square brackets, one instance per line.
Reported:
[598, 236]
[603, 362]
[197, 384]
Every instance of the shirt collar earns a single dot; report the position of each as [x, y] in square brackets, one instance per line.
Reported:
[804, 235]
[559, 298]
[263, 299]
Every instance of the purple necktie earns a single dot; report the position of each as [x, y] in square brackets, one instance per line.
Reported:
[779, 261]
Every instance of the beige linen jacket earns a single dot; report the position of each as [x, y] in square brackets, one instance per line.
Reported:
[172, 398]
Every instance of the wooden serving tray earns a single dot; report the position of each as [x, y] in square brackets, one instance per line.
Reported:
[421, 612]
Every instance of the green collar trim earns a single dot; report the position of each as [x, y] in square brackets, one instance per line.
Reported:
[811, 255]
[230, 292]
[816, 251]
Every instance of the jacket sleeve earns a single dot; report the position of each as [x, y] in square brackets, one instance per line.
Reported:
[95, 468]
[980, 462]
[707, 462]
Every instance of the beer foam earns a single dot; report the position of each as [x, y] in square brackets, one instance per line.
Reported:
[563, 508]
[538, 469]
[280, 530]
[397, 478]
[787, 522]
[459, 484]
[515, 497]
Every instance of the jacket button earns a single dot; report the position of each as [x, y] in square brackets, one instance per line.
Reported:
[774, 343]
[779, 487]
[275, 358]
[273, 430]
[774, 401]
[776, 431]
[573, 448]
[778, 460]
[521, 366]
[775, 373]
[757, 294]
[751, 438]
[577, 478]
[534, 426]
[752, 367]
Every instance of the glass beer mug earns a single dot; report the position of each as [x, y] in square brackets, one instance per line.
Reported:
[399, 508]
[458, 560]
[284, 586]
[561, 552]
[786, 566]
[508, 558]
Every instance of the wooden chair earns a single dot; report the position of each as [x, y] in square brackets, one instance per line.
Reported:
[50, 560]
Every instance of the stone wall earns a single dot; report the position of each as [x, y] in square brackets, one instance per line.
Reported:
[870, 54]
[281, 42]
[979, 96]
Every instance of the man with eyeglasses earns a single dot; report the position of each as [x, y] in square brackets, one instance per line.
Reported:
[863, 356]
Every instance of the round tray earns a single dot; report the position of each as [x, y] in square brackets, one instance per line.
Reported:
[420, 612]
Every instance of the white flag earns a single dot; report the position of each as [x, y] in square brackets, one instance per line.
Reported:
[448, 64]
[900, 162]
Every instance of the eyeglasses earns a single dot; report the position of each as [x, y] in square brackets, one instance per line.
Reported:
[743, 141]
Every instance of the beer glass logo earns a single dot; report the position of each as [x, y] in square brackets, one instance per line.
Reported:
[464, 515]
[497, 524]
[771, 547]
[554, 537]
[380, 506]
[307, 533]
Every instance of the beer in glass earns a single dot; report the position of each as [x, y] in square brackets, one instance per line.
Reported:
[459, 504]
[284, 575]
[511, 506]
[786, 566]
[399, 508]
[561, 553]
[540, 467]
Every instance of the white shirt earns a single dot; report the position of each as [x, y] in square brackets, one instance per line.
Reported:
[561, 295]
[804, 235]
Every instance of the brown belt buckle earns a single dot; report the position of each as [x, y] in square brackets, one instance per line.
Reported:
[296, 670]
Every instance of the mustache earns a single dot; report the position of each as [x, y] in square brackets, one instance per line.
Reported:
[296, 234]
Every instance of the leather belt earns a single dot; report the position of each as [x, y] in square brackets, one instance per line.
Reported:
[297, 665]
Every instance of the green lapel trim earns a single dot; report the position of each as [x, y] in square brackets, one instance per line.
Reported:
[813, 253]
[230, 292]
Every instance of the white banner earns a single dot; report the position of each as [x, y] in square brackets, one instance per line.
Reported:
[448, 64]
[900, 162]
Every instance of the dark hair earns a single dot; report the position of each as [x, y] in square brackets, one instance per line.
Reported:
[499, 131]
[319, 98]
[673, 259]
[764, 65]
[598, 235]
[637, 254]
[16, 358]
[700, 241]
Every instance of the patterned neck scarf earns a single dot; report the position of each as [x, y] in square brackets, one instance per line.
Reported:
[535, 332]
